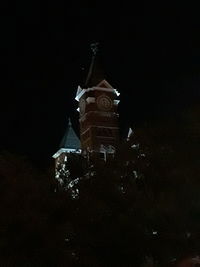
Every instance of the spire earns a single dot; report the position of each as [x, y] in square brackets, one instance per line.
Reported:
[69, 123]
[70, 139]
[95, 73]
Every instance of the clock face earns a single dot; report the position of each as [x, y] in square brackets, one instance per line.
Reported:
[82, 106]
[104, 103]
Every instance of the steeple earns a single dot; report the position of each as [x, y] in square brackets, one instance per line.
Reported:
[98, 114]
[70, 140]
[95, 73]
[98, 120]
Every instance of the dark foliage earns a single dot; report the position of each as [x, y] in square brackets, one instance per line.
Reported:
[139, 209]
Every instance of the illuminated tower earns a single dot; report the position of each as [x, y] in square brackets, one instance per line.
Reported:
[99, 129]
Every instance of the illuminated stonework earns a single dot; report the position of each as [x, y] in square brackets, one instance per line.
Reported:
[98, 120]
[99, 117]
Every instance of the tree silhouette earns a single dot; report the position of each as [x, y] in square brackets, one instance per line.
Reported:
[140, 208]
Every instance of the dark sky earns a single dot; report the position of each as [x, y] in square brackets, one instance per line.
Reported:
[151, 55]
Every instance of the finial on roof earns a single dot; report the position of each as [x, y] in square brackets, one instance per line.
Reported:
[94, 48]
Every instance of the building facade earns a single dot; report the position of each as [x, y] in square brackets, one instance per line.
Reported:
[99, 129]
[98, 118]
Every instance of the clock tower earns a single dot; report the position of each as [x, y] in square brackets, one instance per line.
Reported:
[99, 130]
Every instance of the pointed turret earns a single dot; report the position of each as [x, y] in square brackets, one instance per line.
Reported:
[70, 139]
[69, 143]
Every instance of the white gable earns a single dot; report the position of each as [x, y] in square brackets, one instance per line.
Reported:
[104, 84]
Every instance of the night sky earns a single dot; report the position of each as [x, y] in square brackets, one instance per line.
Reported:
[150, 54]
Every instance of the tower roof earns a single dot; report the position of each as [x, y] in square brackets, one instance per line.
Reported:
[95, 77]
[70, 139]
[95, 73]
